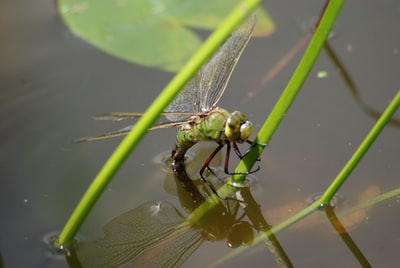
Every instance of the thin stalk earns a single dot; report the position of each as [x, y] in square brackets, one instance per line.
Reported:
[385, 117]
[361, 150]
[237, 16]
[359, 153]
[280, 109]
[375, 200]
[289, 94]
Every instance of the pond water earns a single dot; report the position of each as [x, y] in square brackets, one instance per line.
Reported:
[51, 83]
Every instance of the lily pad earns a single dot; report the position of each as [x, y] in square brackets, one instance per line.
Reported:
[153, 33]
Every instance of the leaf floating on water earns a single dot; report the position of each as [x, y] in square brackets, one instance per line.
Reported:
[149, 33]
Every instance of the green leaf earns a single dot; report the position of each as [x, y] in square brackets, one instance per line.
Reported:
[153, 33]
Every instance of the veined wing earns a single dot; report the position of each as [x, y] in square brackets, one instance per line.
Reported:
[204, 90]
[151, 235]
[116, 116]
[216, 73]
[187, 100]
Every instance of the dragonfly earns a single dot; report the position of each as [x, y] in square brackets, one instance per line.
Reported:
[195, 110]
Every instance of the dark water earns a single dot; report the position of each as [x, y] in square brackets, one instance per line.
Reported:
[51, 83]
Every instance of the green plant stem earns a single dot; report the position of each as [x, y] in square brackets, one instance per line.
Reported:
[280, 109]
[385, 117]
[237, 16]
[289, 94]
[361, 150]
[373, 201]
[359, 153]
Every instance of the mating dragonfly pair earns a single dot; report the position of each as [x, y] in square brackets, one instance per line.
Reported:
[195, 109]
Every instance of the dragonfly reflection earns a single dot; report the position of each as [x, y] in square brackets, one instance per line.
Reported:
[157, 234]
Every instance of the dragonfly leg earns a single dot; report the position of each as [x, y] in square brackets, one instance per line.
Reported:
[228, 152]
[239, 154]
[206, 165]
[257, 143]
[237, 151]
[252, 144]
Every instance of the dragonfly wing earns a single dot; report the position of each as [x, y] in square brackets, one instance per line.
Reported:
[118, 116]
[205, 89]
[124, 131]
[144, 234]
[121, 132]
[216, 73]
[186, 101]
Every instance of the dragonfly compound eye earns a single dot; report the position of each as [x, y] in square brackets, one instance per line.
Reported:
[240, 115]
[232, 127]
[237, 127]
[245, 130]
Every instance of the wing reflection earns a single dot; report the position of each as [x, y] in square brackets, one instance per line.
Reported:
[134, 239]
[157, 234]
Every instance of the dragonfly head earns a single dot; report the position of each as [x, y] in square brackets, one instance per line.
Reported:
[237, 127]
[241, 234]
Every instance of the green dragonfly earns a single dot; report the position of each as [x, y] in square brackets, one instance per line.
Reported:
[195, 109]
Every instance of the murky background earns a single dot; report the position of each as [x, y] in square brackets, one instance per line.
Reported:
[51, 83]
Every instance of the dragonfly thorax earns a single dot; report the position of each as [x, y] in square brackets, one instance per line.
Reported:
[217, 125]
[237, 127]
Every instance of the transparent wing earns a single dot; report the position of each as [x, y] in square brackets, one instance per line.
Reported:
[186, 101]
[204, 90]
[150, 235]
[121, 132]
[216, 73]
[124, 131]
[118, 116]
